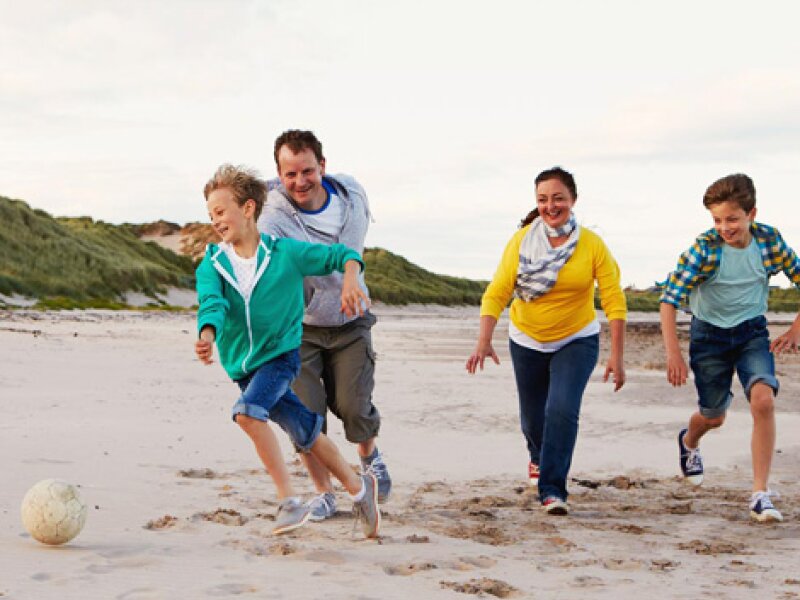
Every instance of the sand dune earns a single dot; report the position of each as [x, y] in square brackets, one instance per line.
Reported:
[116, 403]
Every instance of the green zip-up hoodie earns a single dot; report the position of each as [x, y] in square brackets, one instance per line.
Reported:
[252, 331]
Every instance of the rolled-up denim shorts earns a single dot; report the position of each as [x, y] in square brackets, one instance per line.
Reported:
[715, 353]
[267, 396]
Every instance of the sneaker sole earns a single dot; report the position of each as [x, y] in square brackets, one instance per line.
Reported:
[293, 526]
[695, 480]
[374, 532]
[558, 510]
[766, 517]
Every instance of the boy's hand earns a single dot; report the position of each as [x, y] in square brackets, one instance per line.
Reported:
[788, 342]
[353, 297]
[353, 300]
[616, 367]
[677, 371]
[204, 347]
[204, 350]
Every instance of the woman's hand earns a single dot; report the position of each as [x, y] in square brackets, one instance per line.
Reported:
[616, 368]
[476, 359]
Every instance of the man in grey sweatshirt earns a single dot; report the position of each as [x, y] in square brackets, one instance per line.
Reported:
[338, 361]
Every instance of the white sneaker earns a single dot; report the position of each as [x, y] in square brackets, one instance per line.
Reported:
[762, 509]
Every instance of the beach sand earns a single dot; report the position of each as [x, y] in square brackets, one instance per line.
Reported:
[179, 507]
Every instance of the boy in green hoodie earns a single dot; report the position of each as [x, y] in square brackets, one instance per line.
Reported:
[250, 296]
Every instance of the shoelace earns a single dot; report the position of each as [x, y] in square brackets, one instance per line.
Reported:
[765, 498]
[377, 467]
[326, 502]
[694, 461]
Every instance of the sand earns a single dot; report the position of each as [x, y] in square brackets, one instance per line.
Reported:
[178, 507]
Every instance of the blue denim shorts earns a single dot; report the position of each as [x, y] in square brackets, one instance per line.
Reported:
[267, 396]
[715, 353]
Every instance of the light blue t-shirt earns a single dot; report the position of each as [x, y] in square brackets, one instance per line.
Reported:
[737, 293]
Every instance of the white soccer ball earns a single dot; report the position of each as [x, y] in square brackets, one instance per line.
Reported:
[52, 511]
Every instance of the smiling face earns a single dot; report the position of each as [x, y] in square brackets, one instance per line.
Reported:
[554, 201]
[232, 222]
[732, 223]
[301, 175]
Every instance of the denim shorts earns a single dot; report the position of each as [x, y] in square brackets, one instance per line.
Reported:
[715, 353]
[267, 396]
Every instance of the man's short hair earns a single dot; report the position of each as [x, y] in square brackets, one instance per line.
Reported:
[299, 140]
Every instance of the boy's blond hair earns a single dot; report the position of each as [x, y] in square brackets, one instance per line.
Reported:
[243, 182]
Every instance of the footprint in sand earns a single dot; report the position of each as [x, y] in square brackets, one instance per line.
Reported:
[164, 522]
[199, 474]
[223, 516]
[622, 564]
[713, 548]
[409, 568]
[479, 587]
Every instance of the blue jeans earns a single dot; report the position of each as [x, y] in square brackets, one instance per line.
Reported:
[714, 353]
[266, 396]
[550, 387]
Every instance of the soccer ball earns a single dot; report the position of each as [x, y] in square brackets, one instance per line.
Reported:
[52, 511]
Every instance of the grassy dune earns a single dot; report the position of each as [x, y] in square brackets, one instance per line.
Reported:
[82, 263]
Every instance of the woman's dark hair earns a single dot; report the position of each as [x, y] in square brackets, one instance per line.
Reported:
[563, 176]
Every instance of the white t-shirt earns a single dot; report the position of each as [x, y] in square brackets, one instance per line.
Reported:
[243, 268]
[329, 218]
[523, 339]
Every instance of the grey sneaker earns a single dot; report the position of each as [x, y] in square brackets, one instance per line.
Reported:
[291, 514]
[322, 507]
[375, 465]
[366, 509]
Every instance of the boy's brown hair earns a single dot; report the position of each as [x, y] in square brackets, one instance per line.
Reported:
[737, 188]
[243, 182]
[299, 140]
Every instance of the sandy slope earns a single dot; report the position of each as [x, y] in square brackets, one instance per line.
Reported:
[178, 507]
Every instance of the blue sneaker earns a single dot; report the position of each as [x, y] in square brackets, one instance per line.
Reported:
[322, 507]
[691, 461]
[374, 464]
[762, 509]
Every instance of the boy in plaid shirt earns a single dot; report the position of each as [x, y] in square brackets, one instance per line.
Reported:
[725, 277]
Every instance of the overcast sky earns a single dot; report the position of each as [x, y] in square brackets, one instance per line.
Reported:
[444, 110]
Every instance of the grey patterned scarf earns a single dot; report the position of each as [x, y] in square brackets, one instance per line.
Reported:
[539, 262]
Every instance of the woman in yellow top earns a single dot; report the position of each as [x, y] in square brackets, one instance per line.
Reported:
[550, 267]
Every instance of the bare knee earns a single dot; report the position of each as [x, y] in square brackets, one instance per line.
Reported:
[762, 401]
[248, 424]
[714, 422]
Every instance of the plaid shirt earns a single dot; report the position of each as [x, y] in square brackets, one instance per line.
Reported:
[701, 262]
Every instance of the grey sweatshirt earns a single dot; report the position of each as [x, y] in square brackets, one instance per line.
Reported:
[281, 217]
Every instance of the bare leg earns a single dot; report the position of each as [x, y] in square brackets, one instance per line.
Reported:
[319, 472]
[762, 445]
[365, 449]
[698, 427]
[269, 451]
[326, 452]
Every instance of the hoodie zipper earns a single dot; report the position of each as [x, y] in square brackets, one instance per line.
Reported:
[245, 299]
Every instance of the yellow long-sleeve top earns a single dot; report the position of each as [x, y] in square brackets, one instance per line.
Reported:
[568, 306]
